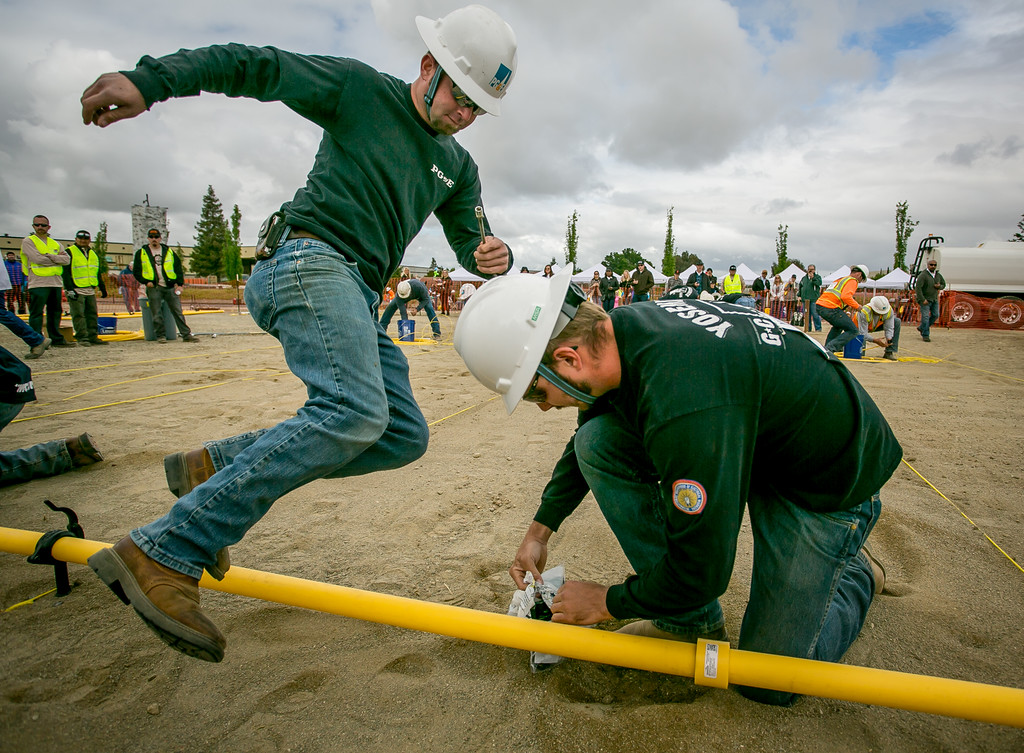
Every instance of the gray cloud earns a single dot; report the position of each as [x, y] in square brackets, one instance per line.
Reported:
[739, 115]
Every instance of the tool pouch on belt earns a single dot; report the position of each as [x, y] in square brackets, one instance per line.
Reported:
[271, 233]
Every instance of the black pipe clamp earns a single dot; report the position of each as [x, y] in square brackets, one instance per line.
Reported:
[43, 555]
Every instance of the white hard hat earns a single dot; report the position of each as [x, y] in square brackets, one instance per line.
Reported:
[504, 329]
[863, 270]
[880, 305]
[404, 289]
[477, 49]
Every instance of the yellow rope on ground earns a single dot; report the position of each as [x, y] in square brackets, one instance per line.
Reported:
[457, 413]
[165, 374]
[29, 601]
[133, 400]
[966, 517]
[153, 360]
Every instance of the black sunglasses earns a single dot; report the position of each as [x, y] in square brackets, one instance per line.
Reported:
[463, 101]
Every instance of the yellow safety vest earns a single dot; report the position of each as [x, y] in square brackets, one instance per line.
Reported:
[40, 270]
[148, 273]
[85, 267]
[732, 284]
[875, 321]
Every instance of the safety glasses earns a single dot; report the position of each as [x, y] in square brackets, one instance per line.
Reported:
[463, 101]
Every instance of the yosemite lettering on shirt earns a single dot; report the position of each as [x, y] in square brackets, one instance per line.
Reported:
[441, 177]
[769, 331]
[711, 322]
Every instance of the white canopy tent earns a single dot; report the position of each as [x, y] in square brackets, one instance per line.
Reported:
[659, 277]
[843, 271]
[746, 273]
[895, 279]
[789, 271]
[588, 274]
[463, 275]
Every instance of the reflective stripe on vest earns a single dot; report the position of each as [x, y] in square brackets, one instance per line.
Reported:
[879, 322]
[836, 289]
[85, 270]
[148, 273]
[736, 286]
[39, 270]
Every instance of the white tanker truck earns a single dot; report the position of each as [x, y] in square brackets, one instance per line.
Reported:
[993, 269]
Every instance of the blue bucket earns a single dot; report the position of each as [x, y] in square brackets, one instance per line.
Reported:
[854, 348]
[406, 330]
[107, 325]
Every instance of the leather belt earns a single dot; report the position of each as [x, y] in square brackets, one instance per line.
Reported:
[297, 232]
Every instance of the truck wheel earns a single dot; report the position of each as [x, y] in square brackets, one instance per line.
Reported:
[1008, 312]
[964, 312]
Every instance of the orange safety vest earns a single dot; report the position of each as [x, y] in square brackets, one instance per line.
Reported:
[832, 297]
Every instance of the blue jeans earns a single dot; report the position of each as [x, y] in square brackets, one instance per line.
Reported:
[894, 345]
[843, 329]
[360, 415]
[38, 461]
[14, 323]
[811, 315]
[398, 303]
[929, 314]
[638, 297]
[809, 592]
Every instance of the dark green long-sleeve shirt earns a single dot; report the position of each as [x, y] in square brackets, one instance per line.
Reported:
[737, 406]
[380, 170]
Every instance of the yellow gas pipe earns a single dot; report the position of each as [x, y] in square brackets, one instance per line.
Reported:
[710, 663]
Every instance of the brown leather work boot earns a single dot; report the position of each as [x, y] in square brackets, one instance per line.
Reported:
[647, 629]
[877, 569]
[82, 451]
[185, 471]
[166, 600]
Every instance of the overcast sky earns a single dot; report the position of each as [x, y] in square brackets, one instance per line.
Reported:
[816, 114]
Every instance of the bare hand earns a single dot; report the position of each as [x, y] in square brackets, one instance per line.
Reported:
[580, 603]
[532, 555]
[112, 97]
[491, 256]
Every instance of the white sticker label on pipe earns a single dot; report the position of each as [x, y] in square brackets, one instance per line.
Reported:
[711, 660]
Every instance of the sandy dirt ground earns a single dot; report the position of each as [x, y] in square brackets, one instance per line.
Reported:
[82, 672]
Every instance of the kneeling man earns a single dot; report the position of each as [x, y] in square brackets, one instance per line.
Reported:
[686, 419]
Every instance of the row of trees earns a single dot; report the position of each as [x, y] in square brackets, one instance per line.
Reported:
[673, 260]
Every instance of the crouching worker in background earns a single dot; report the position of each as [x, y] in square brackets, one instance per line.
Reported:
[879, 317]
[46, 458]
[646, 375]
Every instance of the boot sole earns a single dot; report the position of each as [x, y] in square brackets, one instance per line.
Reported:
[111, 570]
[176, 471]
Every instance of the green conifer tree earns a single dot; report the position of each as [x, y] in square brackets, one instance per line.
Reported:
[211, 233]
[232, 250]
[572, 241]
[668, 258]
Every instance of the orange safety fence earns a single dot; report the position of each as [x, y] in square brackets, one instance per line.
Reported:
[956, 309]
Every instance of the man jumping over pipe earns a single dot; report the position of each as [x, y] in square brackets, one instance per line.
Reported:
[685, 419]
[323, 261]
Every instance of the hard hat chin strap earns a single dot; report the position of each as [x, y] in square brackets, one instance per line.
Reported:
[428, 98]
[545, 371]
